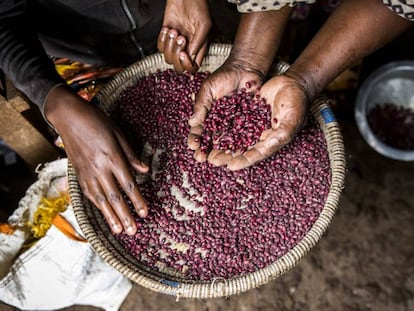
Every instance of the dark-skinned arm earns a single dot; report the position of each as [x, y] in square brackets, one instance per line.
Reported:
[257, 40]
[183, 38]
[97, 149]
[354, 30]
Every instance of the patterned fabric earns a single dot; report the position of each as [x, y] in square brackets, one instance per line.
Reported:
[404, 8]
[245, 6]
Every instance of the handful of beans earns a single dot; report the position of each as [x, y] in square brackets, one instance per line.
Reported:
[204, 221]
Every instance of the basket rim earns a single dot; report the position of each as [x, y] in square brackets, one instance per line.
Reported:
[103, 244]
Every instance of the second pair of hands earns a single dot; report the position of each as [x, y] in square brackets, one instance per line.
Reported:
[104, 162]
[286, 95]
[183, 42]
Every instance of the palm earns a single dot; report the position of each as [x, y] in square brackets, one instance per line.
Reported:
[220, 83]
[289, 103]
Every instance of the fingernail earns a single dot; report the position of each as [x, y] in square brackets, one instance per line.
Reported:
[130, 229]
[181, 57]
[115, 227]
[271, 142]
[193, 57]
[180, 41]
[141, 212]
[171, 35]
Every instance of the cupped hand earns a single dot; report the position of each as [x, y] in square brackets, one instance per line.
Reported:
[229, 77]
[101, 157]
[183, 38]
[289, 105]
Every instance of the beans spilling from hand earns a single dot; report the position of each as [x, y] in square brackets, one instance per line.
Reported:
[205, 221]
[235, 122]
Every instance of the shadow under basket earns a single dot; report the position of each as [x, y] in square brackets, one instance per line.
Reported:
[105, 244]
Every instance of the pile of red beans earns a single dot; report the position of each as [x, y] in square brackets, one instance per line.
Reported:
[204, 221]
[393, 125]
[235, 122]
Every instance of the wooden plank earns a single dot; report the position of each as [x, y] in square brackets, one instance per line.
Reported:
[22, 137]
[19, 104]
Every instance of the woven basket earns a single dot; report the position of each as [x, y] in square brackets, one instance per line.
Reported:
[98, 234]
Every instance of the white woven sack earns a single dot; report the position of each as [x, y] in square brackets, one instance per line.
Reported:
[56, 272]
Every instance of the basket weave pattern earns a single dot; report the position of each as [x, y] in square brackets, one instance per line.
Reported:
[104, 243]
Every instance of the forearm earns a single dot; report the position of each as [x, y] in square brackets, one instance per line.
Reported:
[354, 30]
[258, 38]
[24, 61]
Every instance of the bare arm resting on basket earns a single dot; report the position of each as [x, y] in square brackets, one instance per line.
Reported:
[354, 30]
[103, 160]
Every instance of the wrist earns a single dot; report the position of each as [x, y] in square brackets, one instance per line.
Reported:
[307, 82]
[55, 100]
[248, 61]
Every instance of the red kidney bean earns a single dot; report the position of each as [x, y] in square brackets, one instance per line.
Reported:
[393, 125]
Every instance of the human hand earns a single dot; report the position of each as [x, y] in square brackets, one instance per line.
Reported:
[289, 105]
[232, 75]
[101, 157]
[184, 36]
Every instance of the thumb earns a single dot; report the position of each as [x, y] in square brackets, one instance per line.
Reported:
[197, 46]
[131, 155]
[201, 107]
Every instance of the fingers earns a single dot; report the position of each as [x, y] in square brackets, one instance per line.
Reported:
[200, 156]
[162, 39]
[128, 184]
[200, 110]
[257, 153]
[105, 193]
[270, 142]
[137, 164]
[194, 142]
[198, 46]
[104, 189]
[194, 137]
[97, 195]
[237, 160]
[200, 55]
[173, 45]
[219, 157]
[201, 107]
[126, 178]
[186, 62]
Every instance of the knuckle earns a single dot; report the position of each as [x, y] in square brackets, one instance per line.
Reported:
[99, 200]
[129, 187]
[114, 197]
